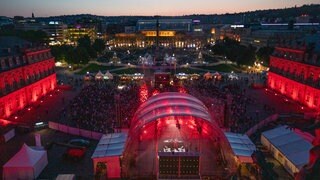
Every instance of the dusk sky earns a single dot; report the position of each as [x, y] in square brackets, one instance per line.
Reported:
[139, 7]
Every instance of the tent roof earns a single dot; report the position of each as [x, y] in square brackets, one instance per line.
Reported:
[240, 144]
[99, 74]
[110, 145]
[108, 74]
[26, 157]
[170, 104]
[295, 148]
[208, 74]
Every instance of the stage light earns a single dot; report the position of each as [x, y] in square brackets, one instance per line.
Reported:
[39, 123]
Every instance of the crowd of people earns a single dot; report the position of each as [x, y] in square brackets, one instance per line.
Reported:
[228, 102]
[100, 106]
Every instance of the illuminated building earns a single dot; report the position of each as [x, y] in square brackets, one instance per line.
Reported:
[75, 33]
[26, 74]
[56, 32]
[166, 24]
[28, 24]
[295, 73]
[4, 21]
[166, 39]
[178, 33]
[262, 35]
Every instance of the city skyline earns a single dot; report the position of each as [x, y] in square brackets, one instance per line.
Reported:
[139, 7]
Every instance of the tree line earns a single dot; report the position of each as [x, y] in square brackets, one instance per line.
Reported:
[241, 54]
[80, 54]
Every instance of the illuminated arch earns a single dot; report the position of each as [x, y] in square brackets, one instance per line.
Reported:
[170, 104]
[174, 115]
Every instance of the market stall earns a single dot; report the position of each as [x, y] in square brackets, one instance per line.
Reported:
[26, 164]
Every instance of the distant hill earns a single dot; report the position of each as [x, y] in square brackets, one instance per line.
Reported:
[270, 15]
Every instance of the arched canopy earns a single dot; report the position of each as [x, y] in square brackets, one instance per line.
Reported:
[176, 117]
[170, 104]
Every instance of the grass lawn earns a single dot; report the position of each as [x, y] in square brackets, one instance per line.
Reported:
[222, 68]
[190, 71]
[128, 71]
[93, 68]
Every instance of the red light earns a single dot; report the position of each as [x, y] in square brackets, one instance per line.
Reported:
[182, 90]
[143, 93]
[15, 117]
[50, 95]
[29, 109]
[155, 92]
[41, 101]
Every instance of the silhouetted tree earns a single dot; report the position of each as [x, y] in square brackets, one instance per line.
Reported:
[99, 45]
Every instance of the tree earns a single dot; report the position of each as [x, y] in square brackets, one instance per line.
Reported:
[99, 45]
[246, 55]
[84, 41]
[235, 52]
[263, 54]
[80, 55]
[63, 53]
[31, 35]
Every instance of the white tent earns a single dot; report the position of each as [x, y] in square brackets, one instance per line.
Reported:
[290, 149]
[241, 146]
[26, 164]
[99, 75]
[108, 151]
[207, 75]
[216, 74]
[108, 75]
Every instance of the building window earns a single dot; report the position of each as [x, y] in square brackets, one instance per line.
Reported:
[7, 87]
[1, 110]
[22, 82]
[15, 85]
[315, 101]
[311, 76]
[308, 97]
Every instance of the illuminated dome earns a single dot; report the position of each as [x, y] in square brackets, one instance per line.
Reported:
[178, 123]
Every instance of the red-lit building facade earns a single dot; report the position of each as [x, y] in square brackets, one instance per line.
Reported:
[295, 73]
[24, 78]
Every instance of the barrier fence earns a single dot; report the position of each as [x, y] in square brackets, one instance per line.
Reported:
[74, 131]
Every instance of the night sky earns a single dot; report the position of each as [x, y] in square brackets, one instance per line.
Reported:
[139, 7]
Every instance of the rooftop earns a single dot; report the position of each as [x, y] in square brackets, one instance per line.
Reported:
[10, 45]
